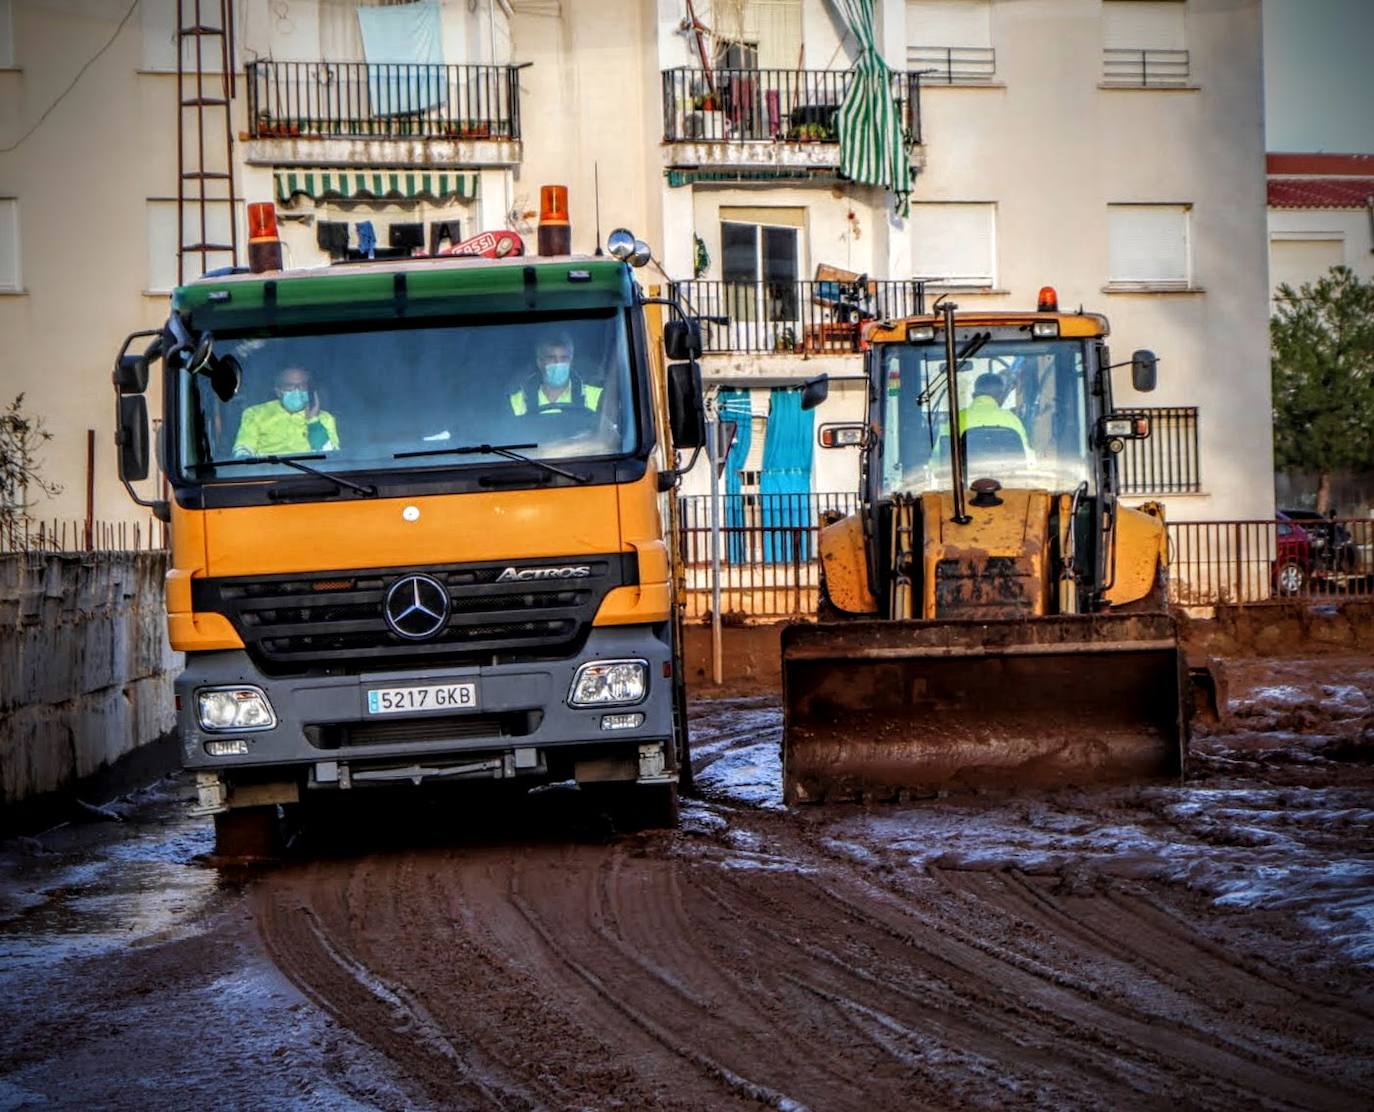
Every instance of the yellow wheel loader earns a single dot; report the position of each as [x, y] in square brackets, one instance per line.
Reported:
[990, 616]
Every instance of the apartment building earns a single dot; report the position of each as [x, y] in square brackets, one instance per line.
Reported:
[1111, 148]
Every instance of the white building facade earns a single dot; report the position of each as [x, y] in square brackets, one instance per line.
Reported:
[1110, 148]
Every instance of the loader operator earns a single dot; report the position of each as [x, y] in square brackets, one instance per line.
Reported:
[554, 388]
[985, 410]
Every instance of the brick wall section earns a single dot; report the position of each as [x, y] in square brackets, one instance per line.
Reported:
[85, 669]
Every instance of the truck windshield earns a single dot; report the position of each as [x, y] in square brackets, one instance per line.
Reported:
[401, 398]
[1021, 407]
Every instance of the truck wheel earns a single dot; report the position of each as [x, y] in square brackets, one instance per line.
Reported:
[249, 833]
[636, 807]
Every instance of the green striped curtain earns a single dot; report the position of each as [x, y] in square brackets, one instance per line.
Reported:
[872, 146]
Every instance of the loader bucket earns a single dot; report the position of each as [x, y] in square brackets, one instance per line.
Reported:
[882, 709]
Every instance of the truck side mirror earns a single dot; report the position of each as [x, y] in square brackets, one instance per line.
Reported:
[686, 405]
[1144, 370]
[132, 438]
[682, 339]
[815, 391]
[131, 374]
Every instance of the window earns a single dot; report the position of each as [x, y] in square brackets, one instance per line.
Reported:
[1148, 246]
[10, 275]
[952, 244]
[1143, 43]
[6, 34]
[953, 38]
[1296, 261]
[761, 265]
[758, 34]
[164, 244]
[1166, 461]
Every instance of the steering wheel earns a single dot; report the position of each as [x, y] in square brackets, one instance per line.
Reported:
[569, 421]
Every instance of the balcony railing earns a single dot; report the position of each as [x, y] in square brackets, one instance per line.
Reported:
[1139, 69]
[1166, 461]
[953, 65]
[770, 105]
[795, 317]
[324, 100]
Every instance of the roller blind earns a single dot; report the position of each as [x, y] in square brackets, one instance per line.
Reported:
[1296, 261]
[1149, 244]
[10, 278]
[6, 34]
[953, 243]
[948, 23]
[778, 217]
[1143, 25]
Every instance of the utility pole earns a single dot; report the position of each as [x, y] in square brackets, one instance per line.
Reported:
[713, 453]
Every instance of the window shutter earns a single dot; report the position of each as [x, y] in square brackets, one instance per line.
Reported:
[948, 23]
[953, 243]
[6, 34]
[1143, 25]
[1148, 244]
[9, 245]
[1296, 261]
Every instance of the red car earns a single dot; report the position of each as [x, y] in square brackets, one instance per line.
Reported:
[1292, 557]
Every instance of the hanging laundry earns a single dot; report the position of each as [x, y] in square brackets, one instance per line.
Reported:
[367, 239]
[404, 53]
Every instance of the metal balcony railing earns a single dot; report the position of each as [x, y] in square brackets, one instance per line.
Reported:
[953, 65]
[769, 105]
[1166, 461]
[322, 100]
[1139, 69]
[795, 317]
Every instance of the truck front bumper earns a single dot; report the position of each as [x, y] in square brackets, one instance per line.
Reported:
[522, 724]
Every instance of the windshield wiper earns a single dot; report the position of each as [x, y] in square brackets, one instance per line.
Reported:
[508, 451]
[294, 461]
[937, 385]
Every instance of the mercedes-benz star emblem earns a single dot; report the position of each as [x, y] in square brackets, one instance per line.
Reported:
[416, 607]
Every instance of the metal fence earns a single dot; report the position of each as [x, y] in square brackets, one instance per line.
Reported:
[385, 101]
[81, 535]
[795, 317]
[1166, 461]
[770, 105]
[953, 65]
[767, 552]
[1144, 68]
[769, 558]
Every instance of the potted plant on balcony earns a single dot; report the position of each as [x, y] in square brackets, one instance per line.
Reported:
[786, 339]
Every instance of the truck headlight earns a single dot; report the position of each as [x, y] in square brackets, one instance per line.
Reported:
[234, 708]
[604, 683]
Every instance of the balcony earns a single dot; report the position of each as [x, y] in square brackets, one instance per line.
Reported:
[795, 318]
[374, 114]
[765, 118]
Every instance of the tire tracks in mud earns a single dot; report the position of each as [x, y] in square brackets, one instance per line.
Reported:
[681, 971]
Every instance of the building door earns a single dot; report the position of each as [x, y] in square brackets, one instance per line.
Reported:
[761, 264]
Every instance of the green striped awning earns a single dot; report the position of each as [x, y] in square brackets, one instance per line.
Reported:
[373, 185]
[872, 144]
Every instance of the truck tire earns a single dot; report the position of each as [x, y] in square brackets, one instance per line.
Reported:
[636, 807]
[248, 834]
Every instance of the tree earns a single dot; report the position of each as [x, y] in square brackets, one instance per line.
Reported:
[1322, 340]
[20, 438]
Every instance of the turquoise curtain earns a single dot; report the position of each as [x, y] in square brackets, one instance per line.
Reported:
[785, 486]
[733, 405]
[872, 144]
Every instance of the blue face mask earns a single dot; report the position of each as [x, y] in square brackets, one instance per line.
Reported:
[557, 374]
[293, 401]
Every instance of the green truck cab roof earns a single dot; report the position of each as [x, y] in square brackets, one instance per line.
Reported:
[402, 289]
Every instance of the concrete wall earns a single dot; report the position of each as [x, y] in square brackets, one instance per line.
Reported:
[85, 668]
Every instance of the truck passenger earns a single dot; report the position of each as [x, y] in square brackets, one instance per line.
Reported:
[292, 422]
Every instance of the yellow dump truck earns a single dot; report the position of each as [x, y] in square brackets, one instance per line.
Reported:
[991, 615]
[419, 513]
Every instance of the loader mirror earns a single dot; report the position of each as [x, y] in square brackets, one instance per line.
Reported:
[686, 405]
[131, 437]
[815, 391]
[1144, 370]
[682, 339]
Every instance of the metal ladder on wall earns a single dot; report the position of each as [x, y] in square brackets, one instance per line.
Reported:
[205, 189]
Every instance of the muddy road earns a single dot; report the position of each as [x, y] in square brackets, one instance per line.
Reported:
[1203, 945]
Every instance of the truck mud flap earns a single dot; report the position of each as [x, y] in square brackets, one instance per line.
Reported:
[882, 710]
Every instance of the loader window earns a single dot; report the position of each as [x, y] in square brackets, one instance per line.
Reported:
[1022, 415]
[358, 397]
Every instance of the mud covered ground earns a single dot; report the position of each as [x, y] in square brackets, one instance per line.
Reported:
[1209, 944]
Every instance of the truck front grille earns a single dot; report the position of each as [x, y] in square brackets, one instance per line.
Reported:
[334, 620]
